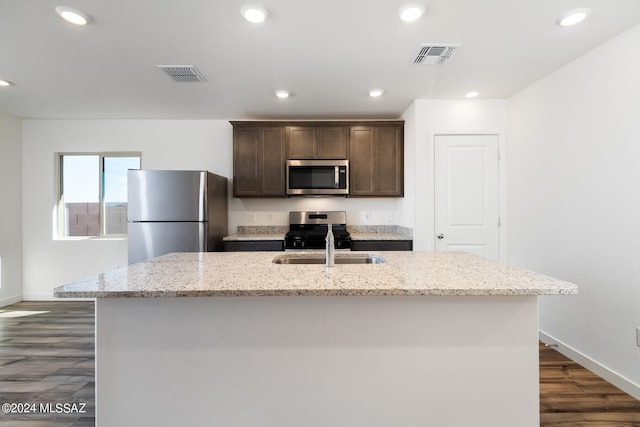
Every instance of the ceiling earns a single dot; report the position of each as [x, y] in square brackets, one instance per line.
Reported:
[328, 53]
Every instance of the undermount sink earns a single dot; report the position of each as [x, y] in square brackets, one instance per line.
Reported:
[320, 259]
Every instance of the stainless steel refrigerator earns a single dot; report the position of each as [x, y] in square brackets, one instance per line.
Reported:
[175, 211]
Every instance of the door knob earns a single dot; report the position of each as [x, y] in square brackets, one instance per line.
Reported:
[440, 236]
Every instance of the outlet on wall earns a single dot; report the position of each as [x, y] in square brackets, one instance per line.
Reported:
[367, 217]
[270, 216]
[250, 218]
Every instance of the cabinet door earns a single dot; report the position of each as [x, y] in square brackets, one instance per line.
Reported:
[389, 160]
[258, 161]
[361, 161]
[331, 142]
[376, 161]
[307, 142]
[253, 245]
[302, 143]
[272, 175]
[381, 245]
[246, 161]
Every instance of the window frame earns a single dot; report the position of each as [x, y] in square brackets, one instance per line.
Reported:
[59, 232]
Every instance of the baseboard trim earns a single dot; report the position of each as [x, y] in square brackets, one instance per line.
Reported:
[613, 377]
[10, 300]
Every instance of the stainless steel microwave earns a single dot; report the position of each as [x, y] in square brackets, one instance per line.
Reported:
[317, 177]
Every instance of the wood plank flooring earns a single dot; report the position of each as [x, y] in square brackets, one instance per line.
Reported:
[47, 357]
[572, 396]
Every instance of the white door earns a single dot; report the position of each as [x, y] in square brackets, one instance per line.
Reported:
[466, 194]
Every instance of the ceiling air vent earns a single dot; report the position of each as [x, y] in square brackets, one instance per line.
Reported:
[183, 73]
[434, 54]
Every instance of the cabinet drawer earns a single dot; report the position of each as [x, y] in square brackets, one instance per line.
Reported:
[382, 245]
[253, 245]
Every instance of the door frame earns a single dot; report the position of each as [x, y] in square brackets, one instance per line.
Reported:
[502, 183]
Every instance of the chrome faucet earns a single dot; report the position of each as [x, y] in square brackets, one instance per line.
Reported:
[330, 259]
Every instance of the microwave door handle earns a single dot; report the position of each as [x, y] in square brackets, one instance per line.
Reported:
[336, 180]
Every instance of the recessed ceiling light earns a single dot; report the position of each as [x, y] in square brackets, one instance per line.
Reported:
[376, 93]
[471, 94]
[5, 83]
[411, 12]
[282, 94]
[573, 17]
[254, 14]
[73, 16]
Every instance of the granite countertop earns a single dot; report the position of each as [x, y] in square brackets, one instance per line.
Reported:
[380, 232]
[253, 236]
[354, 236]
[211, 274]
[258, 232]
[358, 232]
[378, 236]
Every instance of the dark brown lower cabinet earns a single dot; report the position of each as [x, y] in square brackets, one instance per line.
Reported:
[382, 245]
[253, 245]
[278, 245]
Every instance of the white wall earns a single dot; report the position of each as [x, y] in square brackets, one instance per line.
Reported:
[574, 201]
[407, 206]
[10, 211]
[430, 117]
[165, 144]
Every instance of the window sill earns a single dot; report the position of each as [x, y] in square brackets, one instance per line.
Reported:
[83, 238]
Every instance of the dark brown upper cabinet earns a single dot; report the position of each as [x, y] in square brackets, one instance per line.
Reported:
[259, 161]
[376, 160]
[307, 142]
[374, 150]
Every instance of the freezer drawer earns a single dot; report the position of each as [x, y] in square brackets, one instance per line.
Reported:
[152, 239]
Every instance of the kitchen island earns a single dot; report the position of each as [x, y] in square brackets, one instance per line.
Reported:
[232, 339]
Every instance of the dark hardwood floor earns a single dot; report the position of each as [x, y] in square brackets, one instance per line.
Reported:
[572, 396]
[47, 358]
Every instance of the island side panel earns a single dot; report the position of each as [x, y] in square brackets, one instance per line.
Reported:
[317, 361]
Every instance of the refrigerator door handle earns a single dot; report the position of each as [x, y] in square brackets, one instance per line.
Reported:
[202, 196]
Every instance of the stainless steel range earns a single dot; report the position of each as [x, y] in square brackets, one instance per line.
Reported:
[308, 230]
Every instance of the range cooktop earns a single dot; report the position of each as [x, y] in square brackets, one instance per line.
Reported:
[308, 230]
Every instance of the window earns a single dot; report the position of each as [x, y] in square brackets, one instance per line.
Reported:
[93, 193]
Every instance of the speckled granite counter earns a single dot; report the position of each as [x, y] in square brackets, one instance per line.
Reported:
[258, 232]
[378, 236]
[358, 232]
[253, 237]
[380, 232]
[254, 274]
